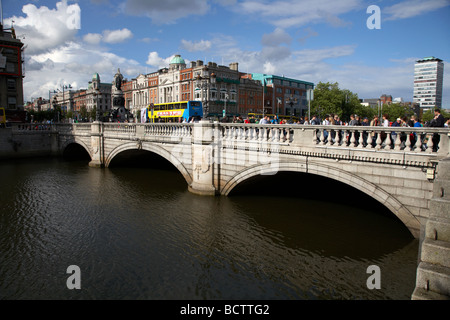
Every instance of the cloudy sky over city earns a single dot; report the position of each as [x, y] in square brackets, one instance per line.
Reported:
[312, 40]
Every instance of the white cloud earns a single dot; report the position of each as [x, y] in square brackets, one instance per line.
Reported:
[72, 64]
[108, 36]
[412, 8]
[166, 12]
[117, 36]
[156, 61]
[191, 46]
[277, 37]
[45, 29]
[269, 68]
[93, 38]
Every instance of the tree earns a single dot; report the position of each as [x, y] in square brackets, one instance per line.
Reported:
[329, 99]
[83, 112]
[93, 114]
[429, 114]
[397, 110]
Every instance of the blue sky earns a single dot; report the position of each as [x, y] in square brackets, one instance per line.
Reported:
[312, 40]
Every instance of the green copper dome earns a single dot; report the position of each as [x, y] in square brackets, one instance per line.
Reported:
[177, 60]
[95, 76]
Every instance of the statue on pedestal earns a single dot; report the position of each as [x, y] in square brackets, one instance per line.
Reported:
[119, 112]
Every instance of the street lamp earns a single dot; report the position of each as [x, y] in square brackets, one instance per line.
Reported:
[204, 84]
[225, 108]
[278, 106]
[291, 101]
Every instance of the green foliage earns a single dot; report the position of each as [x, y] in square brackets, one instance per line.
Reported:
[93, 113]
[329, 99]
[429, 114]
[396, 110]
[83, 112]
[41, 116]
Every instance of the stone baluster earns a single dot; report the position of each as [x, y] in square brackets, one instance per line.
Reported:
[337, 139]
[255, 134]
[361, 140]
[322, 137]
[430, 143]
[352, 139]
[369, 140]
[277, 132]
[398, 142]
[408, 146]
[262, 133]
[270, 134]
[418, 144]
[387, 141]
[378, 141]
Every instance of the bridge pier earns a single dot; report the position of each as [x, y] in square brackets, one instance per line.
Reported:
[433, 272]
[203, 159]
[97, 156]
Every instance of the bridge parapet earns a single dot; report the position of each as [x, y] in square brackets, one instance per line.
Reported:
[404, 146]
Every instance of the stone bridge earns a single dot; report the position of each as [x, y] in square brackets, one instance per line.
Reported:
[405, 169]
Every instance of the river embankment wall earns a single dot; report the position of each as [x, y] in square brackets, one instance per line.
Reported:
[27, 144]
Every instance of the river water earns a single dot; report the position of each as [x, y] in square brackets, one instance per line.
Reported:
[136, 232]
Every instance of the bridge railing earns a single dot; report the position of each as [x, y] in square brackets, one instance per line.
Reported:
[418, 140]
[257, 132]
[168, 129]
[424, 140]
[410, 139]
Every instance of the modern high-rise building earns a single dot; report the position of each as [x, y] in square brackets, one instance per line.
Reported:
[428, 80]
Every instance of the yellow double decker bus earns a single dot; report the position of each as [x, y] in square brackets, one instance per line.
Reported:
[175, 111]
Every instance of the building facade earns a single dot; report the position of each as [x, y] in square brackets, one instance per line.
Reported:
[96, 97]
[428, 81]
[11, 72]
[217, 87]
[284, 96]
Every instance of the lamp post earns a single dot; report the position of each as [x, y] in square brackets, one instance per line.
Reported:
[225, 108]
[310, 96]
[278, 106]
[204, 84]
[291, 101]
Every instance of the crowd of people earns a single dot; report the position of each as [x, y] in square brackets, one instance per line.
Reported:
[355, 120]
[438, 121]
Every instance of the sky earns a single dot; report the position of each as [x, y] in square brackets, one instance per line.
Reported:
[368, 47]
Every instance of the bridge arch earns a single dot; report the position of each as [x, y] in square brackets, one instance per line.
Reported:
[75, 141]
[146, 146]
[353, 180]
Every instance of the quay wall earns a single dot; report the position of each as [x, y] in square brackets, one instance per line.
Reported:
[27, 144]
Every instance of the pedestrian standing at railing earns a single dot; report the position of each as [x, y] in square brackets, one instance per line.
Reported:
[437, 122]
[306, 120]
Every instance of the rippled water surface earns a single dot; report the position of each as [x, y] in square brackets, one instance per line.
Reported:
[138, 233]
